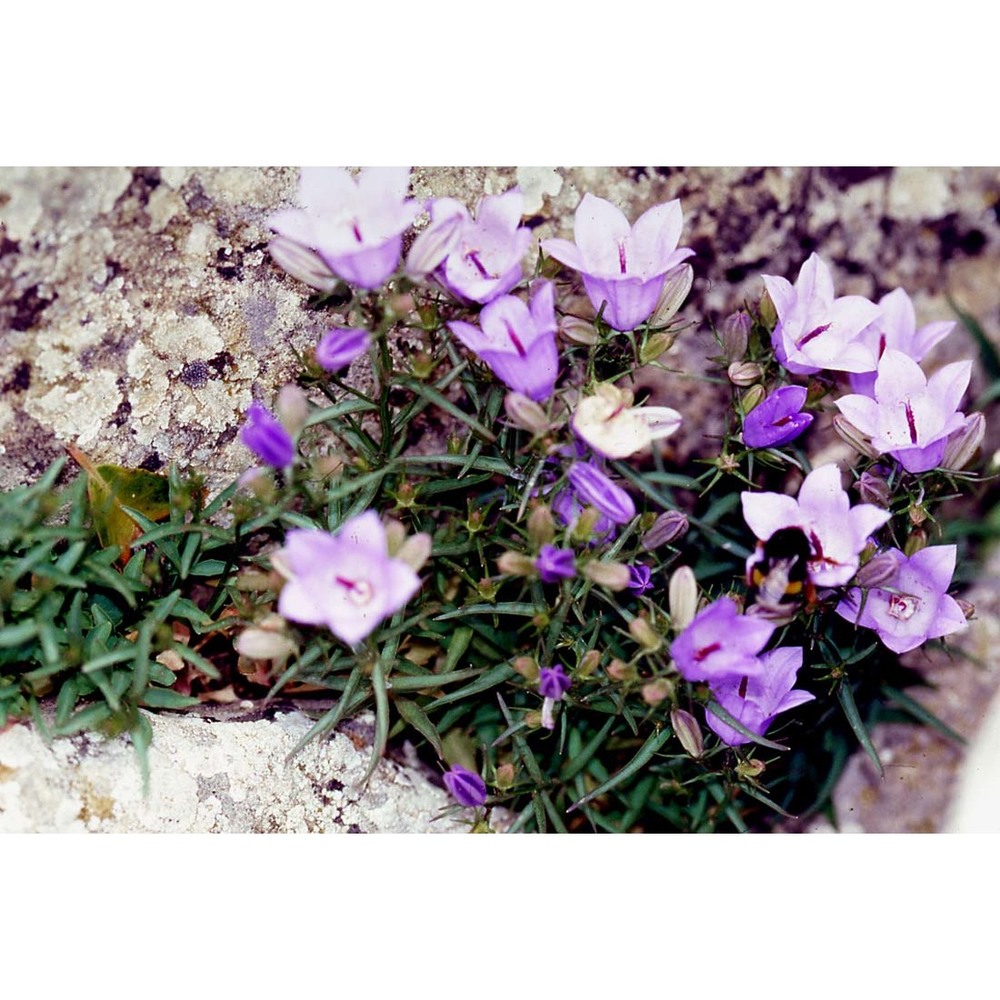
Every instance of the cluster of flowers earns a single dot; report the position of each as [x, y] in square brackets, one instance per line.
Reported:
[351, 229]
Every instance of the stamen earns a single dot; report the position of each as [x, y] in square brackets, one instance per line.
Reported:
[359, 592]
[812, 335]
[357, 232]
[903, 607]
[881, 345]
[912, 423]
[621, 256]
[473, 257]
[515, 340]
[742, 692]
[707, 651]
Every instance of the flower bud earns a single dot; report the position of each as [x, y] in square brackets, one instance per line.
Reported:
[415, 551]
[619, 670]
[303, 264]
[504, 777]
[752, 398]
[668, 527]
[873, 489]
[916, 542]
[613, 575]
[292, 408]
[525, 413]
[645, 635]
[766, 311]
[751, 769]
[395, 535]
[688, 732]
[744, 373]
[585, 523]
[675, 290]
[966, 607]
[527, 667]
[341, 345]
[589, 662]
[735, 336]
[654, 345]
[878, 570]
[682, 597]
[917, 513]
[516, 564]
[849, 433]
[541, 526]
[964, 443]
[433, 245]
[263, 644]
[655, 692]
[578, 331]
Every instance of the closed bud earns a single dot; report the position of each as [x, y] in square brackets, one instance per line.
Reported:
[675, 290]
[421, 365]
[304, 264]
[964, 443]
[682, 597]
[654, 345]
[849, 433]
[768, 314]
[668, 527]
[751, 769]
[585, 524]
[873, 489]
[916, 542]
[619, 670]
[880, 569]
[589, 662]
[688, 732]
[516, 564]
[645, 635]
[292, 408]
[656, 692]
[735, 336]
[753, 397]
[395, 535]
[744, 373]
[613, 575]
[541, 526]
[917, 514]
[966, 607]
[578, 331]
[527, 667]
[533, 719]
[504, 778]
[263, 644]
[415, 551]
[487, 589]
[525, 413]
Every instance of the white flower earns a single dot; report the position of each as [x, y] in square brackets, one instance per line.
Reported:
[614, 428]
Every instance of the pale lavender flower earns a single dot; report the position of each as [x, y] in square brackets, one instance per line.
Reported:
[518, 343]
[354, 224]
[815, 331]
[555, 564]
[346, 581]
[465, 786]
[836, 531]
[639, 580]
[913, 606]
[720, 643]
[755, 700]
[595, 488]
[614, 428]
[265, 436]
[911, 417]
[896, 329]
[479, 258]
[553, 682]
[777, 419]
[623, 267]
[338, 347]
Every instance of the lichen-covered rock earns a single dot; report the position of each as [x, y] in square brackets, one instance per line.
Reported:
[216, 777]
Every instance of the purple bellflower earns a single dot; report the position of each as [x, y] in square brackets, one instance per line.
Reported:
[720, 643]
[555, 564]
[346, 581]
[593, 487]
[552, 685]
[355, 224]
[777, 419]
[475, 259]
[639, 579]
[896, 329]
[465, 786]
[517, 342]
[815, 331]
[913, 606]
[623, 267]
[568, 507]
[836, 531]
[338, 347]
[911, 416]
[754, 701]
[265, 436]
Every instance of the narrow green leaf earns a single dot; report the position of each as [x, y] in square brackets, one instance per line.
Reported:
[331, 719]
[417, 718]
[846, 698]
[427, 682]
[573, 766]
[922, 714]
[717, 710]
[87, 718]
[494, 676]
[445, 404]
[16, 635]
[504, 608]
[456, 648]
[640, 760]
[157, 697]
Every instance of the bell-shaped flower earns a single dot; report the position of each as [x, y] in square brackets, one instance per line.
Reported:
[614, 428]
[896, 329]
[595, 488]
[836, 531]
[267, 437]
[355, 224]
[815, 331]
[777, 419]
[911, 416]
[554, 564]
[913, 606]
[517, 342]
[720, 643]
[338, 347]
[478, 259]
[755, 700]
[346, 581]
[465, 786]
[623, 267]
